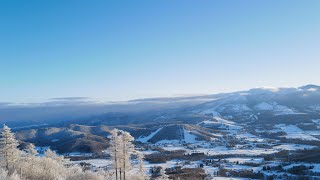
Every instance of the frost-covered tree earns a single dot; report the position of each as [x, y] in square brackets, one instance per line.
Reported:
[27, 160]
[141, 171]
[9, 153]
[121, 151]
[76, 173]
[53, 156]
[17, 164]
[114, 151]
[45, 167]
[5, 176]
[31, 150]
[128, 150]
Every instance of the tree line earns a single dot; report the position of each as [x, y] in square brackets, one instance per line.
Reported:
[26, 164]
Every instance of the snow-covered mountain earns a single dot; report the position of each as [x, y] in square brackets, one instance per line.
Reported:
[278, 113]
[271, 101]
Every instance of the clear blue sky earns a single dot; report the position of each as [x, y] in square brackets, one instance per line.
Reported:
[119, 50]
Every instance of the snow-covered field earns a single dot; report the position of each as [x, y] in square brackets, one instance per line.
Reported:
[96, 162]
[246, 154]
[147, 138]
[276, 108]
[74, 154]
[242, 160]
[292, 147]
[188, 137]
[293, 132]
[243, 156]
[222, 150]
[249, 137]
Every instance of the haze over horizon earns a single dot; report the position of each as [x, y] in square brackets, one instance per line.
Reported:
[57, 101]
[118, 51]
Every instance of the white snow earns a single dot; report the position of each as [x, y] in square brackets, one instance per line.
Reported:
[188, 137]
[146, 139]
[96, 162]
[242, 160]
[315, 107]
[208, 122]
[277, 108]
[147, 152]
[227, 124]
[74, 154]
[211, 170]
[228, 178]
[222, 150]
[292, 147]
[313, 133]
[293, 132]
[222, 123]
[211, 112]
[317, 121]
[270, 88]
[165, 141]
[237, 167]
[249, 137]
[264, 106]
[173, 148]
[312, 89]
[236, 108]
[240, 108]
[283, 110]
[168, 164]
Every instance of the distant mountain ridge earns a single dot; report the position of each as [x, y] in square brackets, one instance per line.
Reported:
[267, 112]
[304, 99]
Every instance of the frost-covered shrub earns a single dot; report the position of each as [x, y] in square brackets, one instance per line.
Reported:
[5, 176]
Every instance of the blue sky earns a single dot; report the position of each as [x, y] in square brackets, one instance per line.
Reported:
[118, 50]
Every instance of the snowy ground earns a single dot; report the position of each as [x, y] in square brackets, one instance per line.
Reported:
[75, 154]
[245, 154]
[188, 137]
[168, 164]
[276, 108]
[293, 132]
[242, 160]
[147, 138]
[249, 137]
[292, 147]
[96, 162]
[222, 150]
[228, 178]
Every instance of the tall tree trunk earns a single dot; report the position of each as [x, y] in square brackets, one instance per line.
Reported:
[7, 161]
[115, 158]
[124, 160]
[6, 156]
